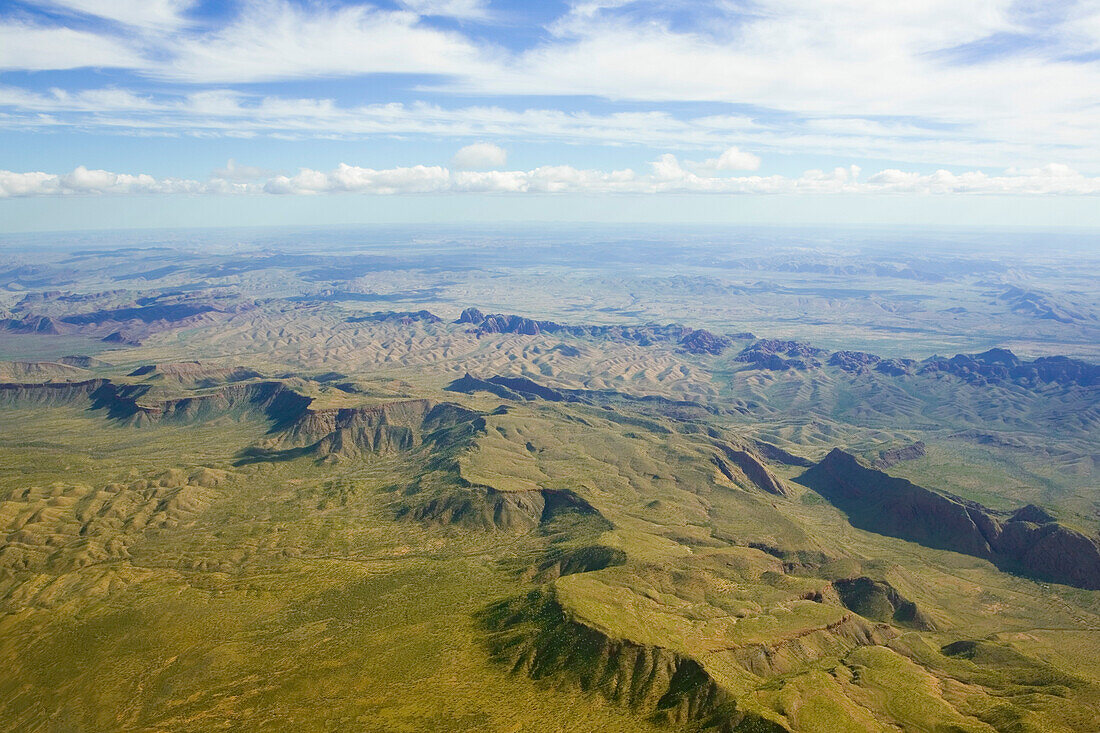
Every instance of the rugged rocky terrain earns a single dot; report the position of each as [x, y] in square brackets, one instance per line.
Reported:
[379, 491]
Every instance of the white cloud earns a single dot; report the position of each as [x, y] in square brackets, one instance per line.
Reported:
[731, 159]
[667, 176]
[152, 14]
[231, 113]
[840, 77]
[479, 156]
[36, 48]
[466, 9]
[276, 39]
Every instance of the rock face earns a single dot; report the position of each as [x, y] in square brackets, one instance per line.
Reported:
[695, 341]
[776, 355]
[535, 636]
[704, 342]
[471, 315]
[358, 431]
[893, 456]
[896, 367]
[297, 428]
[999, 366]
[896, 507]
[752, 468]
[854, 361]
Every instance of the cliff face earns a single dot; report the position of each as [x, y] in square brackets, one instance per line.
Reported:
[752, 467]
[881, 503]
[327, 433]
[534, 635]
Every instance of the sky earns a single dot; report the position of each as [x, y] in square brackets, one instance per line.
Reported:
[146, 113]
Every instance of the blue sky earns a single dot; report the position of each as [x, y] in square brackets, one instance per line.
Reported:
[157, 112]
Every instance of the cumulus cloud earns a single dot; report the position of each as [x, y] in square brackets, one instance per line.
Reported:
[731, 159]
[666, 176]
[479, 156]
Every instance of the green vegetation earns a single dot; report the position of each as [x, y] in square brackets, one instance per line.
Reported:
[341, 519]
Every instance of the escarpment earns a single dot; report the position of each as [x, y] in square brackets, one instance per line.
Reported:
[297, 428]
[536, 636]
[835, 639]
[49, 393]
[138, 404]
[354, 431]
[881, 503]
[752, 468]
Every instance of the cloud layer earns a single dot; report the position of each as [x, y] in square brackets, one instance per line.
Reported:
[988, 82]
[666, 176]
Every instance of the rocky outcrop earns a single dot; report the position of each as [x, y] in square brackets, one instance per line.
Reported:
[352, 432]
[704, 342]
[471, 315]
[893, 456]
[1000, 366]
[777, 455]
[404, 318]
[881, 503]
[789, 653]
[751, 467]
[776, 355]
[126, 325]
[337, 431]
[896, 367]
[854, 361]
[695, 341]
